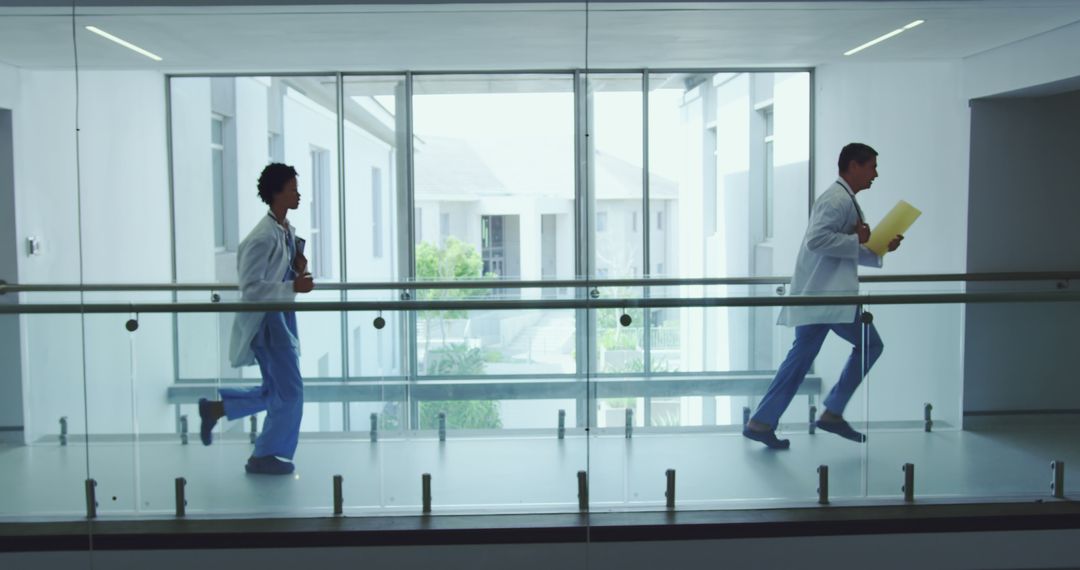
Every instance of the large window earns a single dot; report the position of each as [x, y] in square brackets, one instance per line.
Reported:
[702, 189]
[217, 177]
[321, 249]
[377, 212]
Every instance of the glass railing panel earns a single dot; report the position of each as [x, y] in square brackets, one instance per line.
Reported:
[45, 467]
[992, 380]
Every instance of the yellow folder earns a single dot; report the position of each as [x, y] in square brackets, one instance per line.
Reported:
[895, 223]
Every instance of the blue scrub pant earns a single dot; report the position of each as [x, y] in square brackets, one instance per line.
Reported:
[808, 341]
[281, 394]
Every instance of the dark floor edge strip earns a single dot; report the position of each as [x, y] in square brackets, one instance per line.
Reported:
[544, 535]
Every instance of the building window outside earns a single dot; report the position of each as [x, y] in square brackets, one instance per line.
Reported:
[492, 250]
[217, 153]
[444, 226]
[768, 174]
[601, 221]
[320, 258]
[633, 222]
[275, 147]
[376, 213]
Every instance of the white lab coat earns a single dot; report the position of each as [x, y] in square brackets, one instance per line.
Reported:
[829, 258]
[261, 262]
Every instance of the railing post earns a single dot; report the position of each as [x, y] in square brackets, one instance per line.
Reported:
[562, 424]
[91, 499]
[928, 420]
[374, 427]
[425, 490]
[909, 482]
[254, 429]
[629, 423]
[583, 491]
[183, 430]
[669, 494]
[823, 484]
[1057, 486]
[442, 426]
[339, 498]
[63, 430]
[181, 497]
[745, 416]
[813, 422]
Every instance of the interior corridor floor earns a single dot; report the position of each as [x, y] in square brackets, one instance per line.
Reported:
[535, 473]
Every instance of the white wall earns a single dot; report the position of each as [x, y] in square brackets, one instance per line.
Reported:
[45, 196]
[1037, 60]
[125, 238]
[1025, 201]
[915, 116]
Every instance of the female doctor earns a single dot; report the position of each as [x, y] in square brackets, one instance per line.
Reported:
[271, 267]
[827, 264]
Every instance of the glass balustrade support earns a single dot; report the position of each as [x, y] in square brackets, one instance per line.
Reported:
[562, 424]
[812, 424]
[928, 419]
[669, 493]
[823, 484]
[425, 492]
[909, 482]
[1057, 486]
[339, 499]
[442, 426]
[374, 427]
[583, 491]
[629, 423]
[746, 416]
[181, 497]
[183, 429]
[253, 434]
[91, 499]
[63, 430]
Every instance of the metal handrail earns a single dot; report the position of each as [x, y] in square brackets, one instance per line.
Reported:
[543, 284]
[532, 304]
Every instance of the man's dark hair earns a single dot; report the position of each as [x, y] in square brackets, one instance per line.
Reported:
[273, 179]
[858, 152]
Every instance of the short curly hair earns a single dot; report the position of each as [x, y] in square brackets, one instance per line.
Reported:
[273, 179]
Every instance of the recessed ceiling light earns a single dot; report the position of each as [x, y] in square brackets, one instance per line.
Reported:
[123, 42]
[891, 34]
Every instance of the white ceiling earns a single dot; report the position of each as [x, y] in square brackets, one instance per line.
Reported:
[440, 37]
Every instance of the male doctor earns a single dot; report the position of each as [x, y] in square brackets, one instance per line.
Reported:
[827, 264]
[272, 268]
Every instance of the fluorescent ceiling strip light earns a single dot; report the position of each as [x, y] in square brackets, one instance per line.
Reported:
[891, 34]
[122, 42]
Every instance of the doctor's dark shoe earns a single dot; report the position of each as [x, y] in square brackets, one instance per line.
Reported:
[207, 422]
[842, 429]
[268, 465]
[767, 437]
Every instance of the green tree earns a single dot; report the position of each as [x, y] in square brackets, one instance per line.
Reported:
[454, 261]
